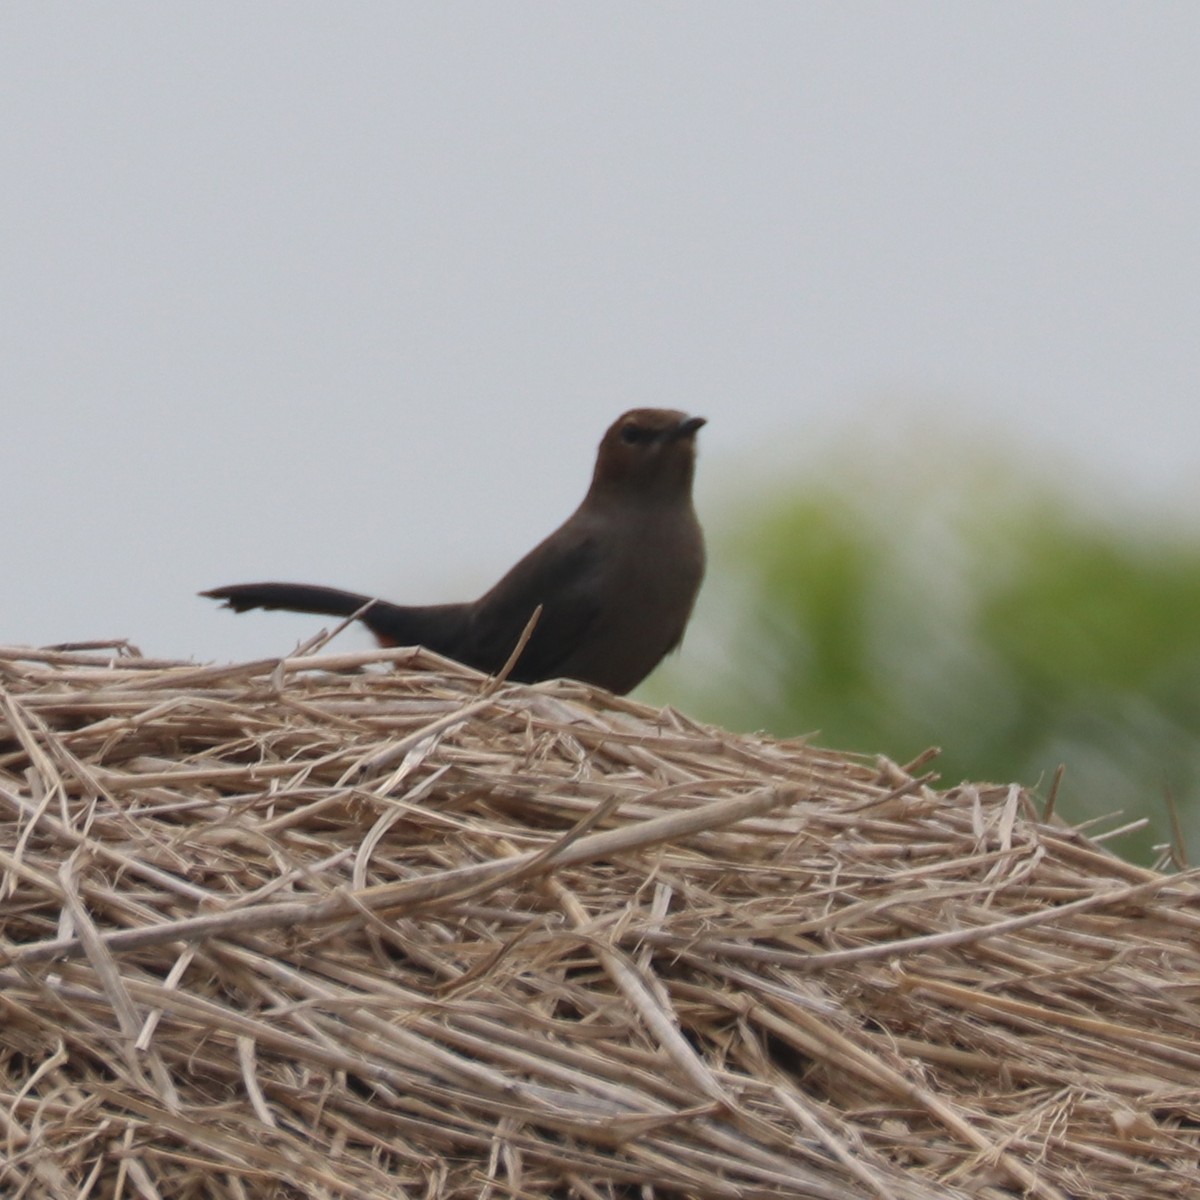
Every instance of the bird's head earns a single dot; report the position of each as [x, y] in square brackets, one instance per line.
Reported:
[648, 451]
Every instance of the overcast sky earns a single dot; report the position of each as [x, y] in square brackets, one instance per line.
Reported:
[348, 293]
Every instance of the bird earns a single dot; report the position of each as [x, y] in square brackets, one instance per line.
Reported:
[616, 582]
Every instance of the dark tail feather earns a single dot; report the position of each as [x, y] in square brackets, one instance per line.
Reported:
[440, 627]
[294, 597]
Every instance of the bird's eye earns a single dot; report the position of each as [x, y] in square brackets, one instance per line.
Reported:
[632, 434]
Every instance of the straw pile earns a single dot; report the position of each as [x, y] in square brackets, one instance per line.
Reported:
[315, 929]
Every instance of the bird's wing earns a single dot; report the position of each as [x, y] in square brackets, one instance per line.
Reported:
[564, 575]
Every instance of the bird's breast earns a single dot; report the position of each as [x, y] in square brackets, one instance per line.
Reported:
[650, 577]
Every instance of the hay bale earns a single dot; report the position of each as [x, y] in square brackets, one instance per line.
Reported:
[311, 928]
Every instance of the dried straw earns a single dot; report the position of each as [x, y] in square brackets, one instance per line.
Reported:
[312, 928]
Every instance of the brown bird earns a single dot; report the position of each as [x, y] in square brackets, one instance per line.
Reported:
[616, 581]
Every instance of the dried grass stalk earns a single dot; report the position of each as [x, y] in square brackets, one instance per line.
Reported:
[314, 928]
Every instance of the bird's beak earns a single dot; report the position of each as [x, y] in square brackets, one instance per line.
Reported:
[689, 425]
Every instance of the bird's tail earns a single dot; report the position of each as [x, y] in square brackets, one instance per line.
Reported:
[438, 627]
[294, 597]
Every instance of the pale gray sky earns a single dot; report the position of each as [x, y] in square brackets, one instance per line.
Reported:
[348, 293]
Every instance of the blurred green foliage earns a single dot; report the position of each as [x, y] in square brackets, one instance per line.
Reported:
[1007, 625]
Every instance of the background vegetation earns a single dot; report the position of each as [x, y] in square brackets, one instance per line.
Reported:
[1010, 623]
